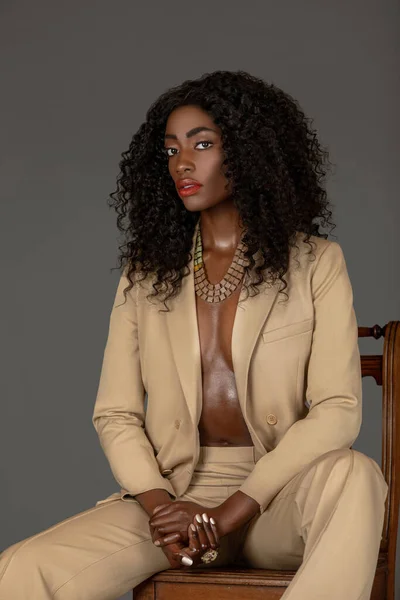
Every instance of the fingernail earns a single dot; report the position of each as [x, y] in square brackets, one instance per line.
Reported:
[212, 521]
[187, 561]
[157, 543]
[199, 519]
[205, 517]
[192, 527]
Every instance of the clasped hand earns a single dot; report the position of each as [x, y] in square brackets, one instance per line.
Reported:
[188, 525]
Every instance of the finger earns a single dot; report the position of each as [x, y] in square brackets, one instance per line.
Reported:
[167, 527]
[159, 518]
[183, 556]
[169, 539]
[214, 528]
[194, 542]
[194, 550]
[198, 522]
[162, 508]
[209, 532]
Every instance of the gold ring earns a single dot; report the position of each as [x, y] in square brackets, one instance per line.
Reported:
[209, 556]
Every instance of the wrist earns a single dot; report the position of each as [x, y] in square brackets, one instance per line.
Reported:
[234, 512]
[152, 498]
[221, 518]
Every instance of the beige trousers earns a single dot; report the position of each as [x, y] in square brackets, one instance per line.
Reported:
[326, 522]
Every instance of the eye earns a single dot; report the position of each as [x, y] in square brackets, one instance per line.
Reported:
[204, 142]
[201, 142]
[167, 150]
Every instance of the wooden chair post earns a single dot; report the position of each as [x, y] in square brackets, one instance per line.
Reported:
[391, 446]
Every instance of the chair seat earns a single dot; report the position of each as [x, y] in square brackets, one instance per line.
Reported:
[231, 583]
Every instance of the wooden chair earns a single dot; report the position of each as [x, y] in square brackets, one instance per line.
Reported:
[254, 584]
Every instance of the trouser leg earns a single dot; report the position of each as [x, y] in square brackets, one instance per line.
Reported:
[327, 522]
[98, 554]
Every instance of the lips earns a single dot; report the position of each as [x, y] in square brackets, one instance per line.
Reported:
[182, 183]
[189, 191]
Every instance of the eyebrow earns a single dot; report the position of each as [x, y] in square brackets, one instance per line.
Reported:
[190, 133]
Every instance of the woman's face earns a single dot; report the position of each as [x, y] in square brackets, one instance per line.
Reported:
[194, 150]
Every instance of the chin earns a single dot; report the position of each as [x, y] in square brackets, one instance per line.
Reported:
[194, 204]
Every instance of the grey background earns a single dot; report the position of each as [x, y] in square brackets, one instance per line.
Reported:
[77, 78]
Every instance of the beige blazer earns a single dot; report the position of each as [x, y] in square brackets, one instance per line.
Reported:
[297, 368]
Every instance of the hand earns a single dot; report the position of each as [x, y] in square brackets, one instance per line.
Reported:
[202, 536]
[203, 532]
[175, 518]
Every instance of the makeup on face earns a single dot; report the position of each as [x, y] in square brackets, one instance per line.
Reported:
[195, 157]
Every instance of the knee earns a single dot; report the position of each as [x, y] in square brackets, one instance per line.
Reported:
[353, 462]
[21, 557]
[367, 472]
[346, 464]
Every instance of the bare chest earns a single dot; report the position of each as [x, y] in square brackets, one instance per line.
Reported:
[221, 422]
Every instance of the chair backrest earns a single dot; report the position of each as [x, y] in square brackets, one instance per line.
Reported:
[385, 369]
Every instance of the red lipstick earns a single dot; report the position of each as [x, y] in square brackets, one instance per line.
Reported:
[193, 189]
[187, 187]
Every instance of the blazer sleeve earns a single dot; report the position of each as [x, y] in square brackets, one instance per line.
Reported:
[333, 387]
[119, 413]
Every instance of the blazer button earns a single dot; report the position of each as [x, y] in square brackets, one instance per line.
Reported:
[177, 424]
[166, 472]
[271, 419]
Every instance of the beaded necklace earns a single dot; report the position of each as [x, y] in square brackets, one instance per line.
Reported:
[220, 291]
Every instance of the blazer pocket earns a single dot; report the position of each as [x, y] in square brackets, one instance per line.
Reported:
[281, 333]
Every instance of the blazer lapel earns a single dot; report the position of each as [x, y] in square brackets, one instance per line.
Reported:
[185, 344]
[182, 324]
[250, 319]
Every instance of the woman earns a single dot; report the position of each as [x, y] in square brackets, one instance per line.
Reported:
[235, 314]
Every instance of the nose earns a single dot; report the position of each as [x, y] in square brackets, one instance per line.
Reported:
[184, 164]
[183, 169]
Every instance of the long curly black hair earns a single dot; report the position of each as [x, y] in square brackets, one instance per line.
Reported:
[273, 159]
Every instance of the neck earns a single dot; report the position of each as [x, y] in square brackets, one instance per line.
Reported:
[221, 228]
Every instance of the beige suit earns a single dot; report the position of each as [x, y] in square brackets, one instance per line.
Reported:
[284, 356]
[297, 369]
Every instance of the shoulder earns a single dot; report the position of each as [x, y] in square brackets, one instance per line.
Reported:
[318, 254]
[322, 269]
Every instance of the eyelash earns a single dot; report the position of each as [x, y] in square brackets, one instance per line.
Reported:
[201, 142]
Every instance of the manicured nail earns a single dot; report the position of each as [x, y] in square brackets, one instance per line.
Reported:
[205, 517]
[199, 519]
[192, 527]
[212, 521]
[187, 561]
[157, 543]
